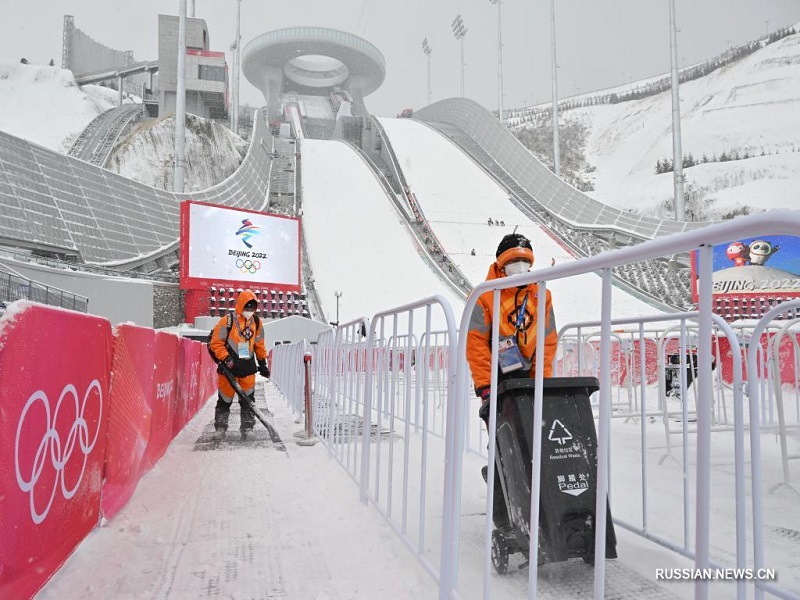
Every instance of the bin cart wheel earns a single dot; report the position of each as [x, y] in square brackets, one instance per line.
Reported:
[499, 552]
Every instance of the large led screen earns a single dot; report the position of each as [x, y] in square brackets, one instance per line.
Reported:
[227, 246]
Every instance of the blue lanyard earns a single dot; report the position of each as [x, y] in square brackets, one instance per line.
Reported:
[521, 313]
[246, 333]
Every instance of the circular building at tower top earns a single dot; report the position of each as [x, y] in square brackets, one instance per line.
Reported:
[312, 60]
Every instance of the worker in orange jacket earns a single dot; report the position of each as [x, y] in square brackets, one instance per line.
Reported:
[237, 341]
[519, 320]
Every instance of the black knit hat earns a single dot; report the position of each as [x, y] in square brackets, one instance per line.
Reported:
[514, 246]
[513, 240]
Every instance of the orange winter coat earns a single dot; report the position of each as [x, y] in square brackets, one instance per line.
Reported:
[479, 343]
[223, 344]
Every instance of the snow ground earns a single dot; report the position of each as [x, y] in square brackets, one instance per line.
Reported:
[243, 521]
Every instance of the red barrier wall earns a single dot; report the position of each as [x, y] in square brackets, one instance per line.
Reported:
[188, 383]
[165, 394]
[72, 439]
[129, 416]
[208, 377]
[786, 357]
[54, 394]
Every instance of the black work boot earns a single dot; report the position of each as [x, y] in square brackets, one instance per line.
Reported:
[248, 416]
[221, 414]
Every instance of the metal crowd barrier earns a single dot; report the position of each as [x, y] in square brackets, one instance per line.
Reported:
[380, 404]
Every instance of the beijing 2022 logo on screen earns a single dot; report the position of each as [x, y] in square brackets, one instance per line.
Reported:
[247, 261]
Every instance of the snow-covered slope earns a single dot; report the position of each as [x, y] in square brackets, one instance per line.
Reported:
[147, 154]
[44, 105]
[751, 106]
[458, 199]
[357, 244]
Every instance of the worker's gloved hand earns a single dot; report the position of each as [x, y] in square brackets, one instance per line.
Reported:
[228, 362]
[483, 393]
[263, 369]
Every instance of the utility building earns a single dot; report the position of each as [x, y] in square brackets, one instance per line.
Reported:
[206, 71]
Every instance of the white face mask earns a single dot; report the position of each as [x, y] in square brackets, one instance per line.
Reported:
[247, 314]
[518, 267]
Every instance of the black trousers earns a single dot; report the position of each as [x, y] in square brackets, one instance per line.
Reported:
[223, 411]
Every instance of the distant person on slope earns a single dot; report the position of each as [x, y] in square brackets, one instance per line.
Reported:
[237, 341]
[518, 324]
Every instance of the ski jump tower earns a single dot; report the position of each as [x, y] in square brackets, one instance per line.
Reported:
[314, 61]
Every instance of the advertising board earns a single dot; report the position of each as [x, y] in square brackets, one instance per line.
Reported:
[751, 274]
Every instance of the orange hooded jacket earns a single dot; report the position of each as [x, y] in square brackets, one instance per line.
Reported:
[479, 342]
[237, 334]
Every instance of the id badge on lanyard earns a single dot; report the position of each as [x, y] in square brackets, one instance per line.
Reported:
[509, 358]
[243, 348]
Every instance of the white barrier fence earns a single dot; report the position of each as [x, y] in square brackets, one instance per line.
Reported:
[393, 403]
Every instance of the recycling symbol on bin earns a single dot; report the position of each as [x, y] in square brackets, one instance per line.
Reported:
[559, 433]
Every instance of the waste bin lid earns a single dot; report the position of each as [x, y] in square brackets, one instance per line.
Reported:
[551, 383]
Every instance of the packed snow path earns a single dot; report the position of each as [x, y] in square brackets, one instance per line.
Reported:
[243, 520]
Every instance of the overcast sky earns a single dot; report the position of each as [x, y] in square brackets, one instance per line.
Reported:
[600, 44]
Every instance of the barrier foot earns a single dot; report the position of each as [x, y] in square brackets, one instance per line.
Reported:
[304, 439]
[782, 484]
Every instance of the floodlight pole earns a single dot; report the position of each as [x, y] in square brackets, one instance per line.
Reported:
[462, 66]
[426, 49]
[460, 32]
[180, 103]
[677, 154]
[556, 149]
[499, 60]
[237, 68]
[338, 295]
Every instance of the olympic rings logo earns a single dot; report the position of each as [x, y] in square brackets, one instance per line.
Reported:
[51, 444]
[248, 266]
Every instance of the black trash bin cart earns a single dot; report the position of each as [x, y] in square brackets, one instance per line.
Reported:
[569, 470]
